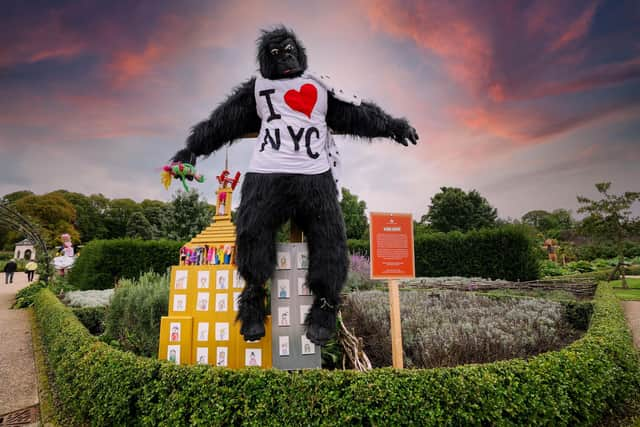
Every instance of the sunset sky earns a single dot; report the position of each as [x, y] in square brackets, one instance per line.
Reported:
[528, 102]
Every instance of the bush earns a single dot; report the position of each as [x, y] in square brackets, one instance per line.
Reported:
[104, 262]
[92, 318]
[26, 295]
[450, 328]
[358, 247]
[133, 318]
[359, 276]
[99, 385]
[606, 250]
[84, 299]
[501, 253]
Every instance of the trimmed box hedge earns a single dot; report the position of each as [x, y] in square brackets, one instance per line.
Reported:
[99, 385]
[505, 252]
[103, 262]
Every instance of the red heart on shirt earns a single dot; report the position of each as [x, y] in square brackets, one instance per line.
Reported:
[303, 100]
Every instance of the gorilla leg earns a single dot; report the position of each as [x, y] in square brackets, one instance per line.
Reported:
[321, 219]
[262, 211]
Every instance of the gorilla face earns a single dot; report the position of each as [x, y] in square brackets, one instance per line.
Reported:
[280, 54]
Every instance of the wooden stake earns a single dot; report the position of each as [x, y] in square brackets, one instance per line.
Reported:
[396, 331]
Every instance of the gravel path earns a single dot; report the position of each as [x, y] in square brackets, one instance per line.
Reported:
[18, 386]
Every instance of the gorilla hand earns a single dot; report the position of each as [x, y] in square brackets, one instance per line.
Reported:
[185, 156]
[405, 133]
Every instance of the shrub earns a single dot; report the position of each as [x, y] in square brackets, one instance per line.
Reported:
[359, 277]
[133, 318]
[501, 253]
[449, 328]
[92, 318]
[98, 385]
[358, 247]
[26, 295]
[88, 298]
[104, 262]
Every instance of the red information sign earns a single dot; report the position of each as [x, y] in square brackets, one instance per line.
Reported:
[392, 255]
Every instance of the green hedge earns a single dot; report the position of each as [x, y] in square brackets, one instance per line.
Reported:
[103, 262]
[499, 253]
[99, 385]
[93, 318]
[606, 250]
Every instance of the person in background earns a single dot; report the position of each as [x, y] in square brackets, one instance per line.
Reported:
[9, 269]
[31, 268]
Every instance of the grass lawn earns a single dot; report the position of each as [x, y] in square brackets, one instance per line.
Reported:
[631, 294]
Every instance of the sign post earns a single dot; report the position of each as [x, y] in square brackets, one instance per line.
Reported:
[392, 258]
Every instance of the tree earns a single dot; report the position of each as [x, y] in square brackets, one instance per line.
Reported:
[89, 221]
[543, 221]
[188, 215]
[610, 220]
[155, 212]
[354, 214]
[454, 210]
[117, 216]
[139, 227]
[52, 214]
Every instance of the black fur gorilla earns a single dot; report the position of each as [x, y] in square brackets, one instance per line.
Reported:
[270, 199]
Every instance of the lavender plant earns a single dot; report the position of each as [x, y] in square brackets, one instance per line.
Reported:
[359, 277]
[448, 328]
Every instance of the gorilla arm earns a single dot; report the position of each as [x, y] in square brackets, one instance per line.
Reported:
[232, 119]
[369, 121]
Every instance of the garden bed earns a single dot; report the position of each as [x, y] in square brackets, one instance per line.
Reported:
[450, 328]
[577, 385]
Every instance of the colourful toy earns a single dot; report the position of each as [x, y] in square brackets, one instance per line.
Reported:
[183, 171]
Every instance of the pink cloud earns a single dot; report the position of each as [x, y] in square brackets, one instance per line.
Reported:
[576, 30]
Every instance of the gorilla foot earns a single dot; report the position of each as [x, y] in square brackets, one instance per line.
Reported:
[252, 330]
[321, 324]
[252, 313]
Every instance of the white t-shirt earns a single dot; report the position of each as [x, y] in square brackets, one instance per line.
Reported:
[293, 137]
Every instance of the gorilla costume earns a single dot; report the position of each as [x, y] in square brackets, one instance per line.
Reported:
[290, 176]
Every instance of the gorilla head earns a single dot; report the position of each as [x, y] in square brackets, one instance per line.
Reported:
[280, 54]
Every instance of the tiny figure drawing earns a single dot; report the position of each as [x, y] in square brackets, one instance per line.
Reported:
[179, 302]
[222, 331]
[303, 289]
[303, 260]
[253, 357]
[283, 342]
[284, 261]
[283, 316]
[222, 356]
[181, 279]
[175, 332]
[173, 354]
[202, 354]
[222, 279]
[221, 302]
[304, 309]
[238, 281]
[203, 301]
[203, 331]
[203, 279]
[283, 288]
[307, 346]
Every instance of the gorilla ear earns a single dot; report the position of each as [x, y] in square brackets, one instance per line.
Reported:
[276, 35]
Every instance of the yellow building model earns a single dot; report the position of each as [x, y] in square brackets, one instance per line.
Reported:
[203, 299]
